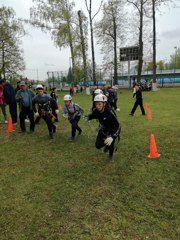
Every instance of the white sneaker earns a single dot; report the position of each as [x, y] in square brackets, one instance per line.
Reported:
[26, 120]
[5, 121]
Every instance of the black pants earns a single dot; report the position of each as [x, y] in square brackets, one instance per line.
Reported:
[50, 125]
[26, 111]
[100, 143]
[74, 125]
[113, 104]
[140, 103]
[13, 111]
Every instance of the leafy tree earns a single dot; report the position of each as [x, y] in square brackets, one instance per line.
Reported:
[59, 18]
[174, 62]
[11, 30]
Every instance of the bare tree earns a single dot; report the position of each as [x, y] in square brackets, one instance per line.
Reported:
[110, 34]
[91, 18]
[140, 5]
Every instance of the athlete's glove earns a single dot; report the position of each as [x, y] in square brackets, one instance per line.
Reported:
[56, 111]
[37, 114]
[108, 141]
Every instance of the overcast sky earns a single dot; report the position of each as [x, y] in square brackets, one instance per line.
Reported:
[42, 56]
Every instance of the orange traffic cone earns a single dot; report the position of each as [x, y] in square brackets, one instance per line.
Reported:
[60, 107]
[149, 117]
[153, 149]
[10, 126]
[145, 107]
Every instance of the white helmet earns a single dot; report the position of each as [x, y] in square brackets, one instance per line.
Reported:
[67, 98]
[98, 91]
[39, 86]
[100, 98]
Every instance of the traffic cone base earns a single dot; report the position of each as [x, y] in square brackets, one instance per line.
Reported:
[155, 156]
[153, 149]
[10, 126]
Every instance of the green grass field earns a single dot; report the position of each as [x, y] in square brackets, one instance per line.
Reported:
[56, 190]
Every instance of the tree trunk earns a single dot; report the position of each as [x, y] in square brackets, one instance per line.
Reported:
[93, 56]
[115, 51]
[154, 41]
[83, 48]
[3, 60]
[140, 45]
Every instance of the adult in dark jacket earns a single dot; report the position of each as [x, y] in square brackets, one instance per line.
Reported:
[9, 97]
[24, 96]
[139, 101]
[109, 126]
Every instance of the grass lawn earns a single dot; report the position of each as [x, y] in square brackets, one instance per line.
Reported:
[53, 189]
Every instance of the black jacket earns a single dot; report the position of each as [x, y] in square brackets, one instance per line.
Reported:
[109, 124]
[138, 95]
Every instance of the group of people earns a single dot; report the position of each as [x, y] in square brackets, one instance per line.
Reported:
[41, 105]
[45, 106]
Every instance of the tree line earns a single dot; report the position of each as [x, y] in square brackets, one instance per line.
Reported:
[121, 23]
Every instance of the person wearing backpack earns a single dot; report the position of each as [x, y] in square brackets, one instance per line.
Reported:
[109, 126]
[73, 112]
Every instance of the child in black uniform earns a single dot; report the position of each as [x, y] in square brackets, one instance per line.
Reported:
[109, 126]
[139, 101]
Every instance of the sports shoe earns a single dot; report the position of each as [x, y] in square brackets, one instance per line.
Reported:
[54, 129]
[51, 135]
[26, 120]
[80, 132]
[110, 159]
[71, 139]
[30, 131]
[5, 121]
[131, 114]
[22, 131]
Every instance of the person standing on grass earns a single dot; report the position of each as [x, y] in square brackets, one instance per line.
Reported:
[2, 102]
[139, 101]
[109, 126]
[46, 105]
[73, 112]
[24, 97]
[9, 97]
[55, 97]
